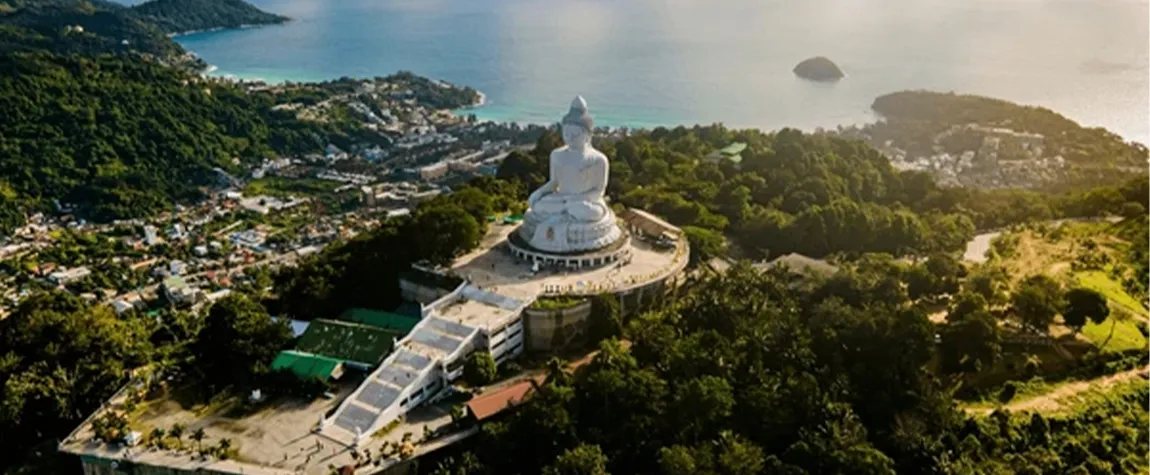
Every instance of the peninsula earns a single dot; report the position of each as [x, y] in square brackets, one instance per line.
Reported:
[184, 16]
[97, 27]
[981, 142]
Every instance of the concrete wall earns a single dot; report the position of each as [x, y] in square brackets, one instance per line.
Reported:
[550, 330]
[423, 294]
[95, 466]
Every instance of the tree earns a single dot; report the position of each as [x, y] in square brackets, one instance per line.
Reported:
[198, 436]
[738, 456]
[156, 437]
[701, 405]
[479, 369]
[1037, 301]
[440, 233]
[971, 343]
[59, 360]
[705, 244]
[990, 282]
[582, 460]
[1132, 210]
[1082, 305]
[606, 319]
[225, 447]
[946, 271]
[238, 341]
[177, 432]
[919, 282]
[966, 304]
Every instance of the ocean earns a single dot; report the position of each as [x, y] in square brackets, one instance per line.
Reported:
[644, 63]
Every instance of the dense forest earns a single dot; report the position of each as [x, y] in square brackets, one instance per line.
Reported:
[104, 27]
[178, 16]
[94, 27]
[756, 372]
[126, 138]
[807, 193]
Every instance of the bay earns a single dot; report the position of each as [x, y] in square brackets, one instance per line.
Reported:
[667, 62]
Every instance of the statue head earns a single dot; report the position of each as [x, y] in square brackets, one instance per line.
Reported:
[577, 124]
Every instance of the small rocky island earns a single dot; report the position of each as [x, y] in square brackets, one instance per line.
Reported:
[819, 68]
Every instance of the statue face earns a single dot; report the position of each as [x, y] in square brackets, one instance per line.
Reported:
[575, 136]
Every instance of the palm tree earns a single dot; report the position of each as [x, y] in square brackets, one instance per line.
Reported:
[556, 371]
[156, 437]
[225, 445]
[199, 436]
[177, 431]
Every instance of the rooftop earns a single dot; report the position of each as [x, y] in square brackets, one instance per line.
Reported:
[307, 365]
[492, 268]
[381, 319]
[347, 341]
[800, 263]
[492, 403]
[275, 438]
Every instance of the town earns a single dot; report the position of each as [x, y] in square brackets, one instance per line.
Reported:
[284, 208]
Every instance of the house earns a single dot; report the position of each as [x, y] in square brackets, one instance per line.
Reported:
[251, 239]
[177, 267]
[130, 302]
[801, 264]
[179, 292]
[150, 235]
[488, 405]
[433, 171]
[731, 153]
[176, 232]
[65, 277]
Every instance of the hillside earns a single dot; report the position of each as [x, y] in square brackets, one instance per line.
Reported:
[975, 141]
[94, 27]
[125, 138]
[103, 27]
[178, 16]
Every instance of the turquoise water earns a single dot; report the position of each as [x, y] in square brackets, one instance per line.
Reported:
[666, 62]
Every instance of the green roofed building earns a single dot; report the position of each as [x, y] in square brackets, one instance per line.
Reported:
[354, 343]
[381, 319]
[307, 365]
[731, 153]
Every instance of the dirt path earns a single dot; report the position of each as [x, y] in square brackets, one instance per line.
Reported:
[1055, 399]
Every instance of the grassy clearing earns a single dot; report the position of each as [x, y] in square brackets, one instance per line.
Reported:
[1126, 335]
[280, 187]
[1104, 284]
[1026, 390]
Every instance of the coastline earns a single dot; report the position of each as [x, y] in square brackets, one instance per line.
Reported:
[243, 26]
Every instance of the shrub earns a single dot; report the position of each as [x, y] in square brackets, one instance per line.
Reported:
[479, 369]
[1008, 391]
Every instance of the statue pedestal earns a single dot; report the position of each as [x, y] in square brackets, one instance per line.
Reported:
[560, 234]
[617, 251]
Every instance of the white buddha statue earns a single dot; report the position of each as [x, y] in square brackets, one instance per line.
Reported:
[568, 213]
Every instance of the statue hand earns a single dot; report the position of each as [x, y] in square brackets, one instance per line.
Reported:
[536, 195]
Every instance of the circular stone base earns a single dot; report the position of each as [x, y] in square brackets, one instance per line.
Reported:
[617, 251]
